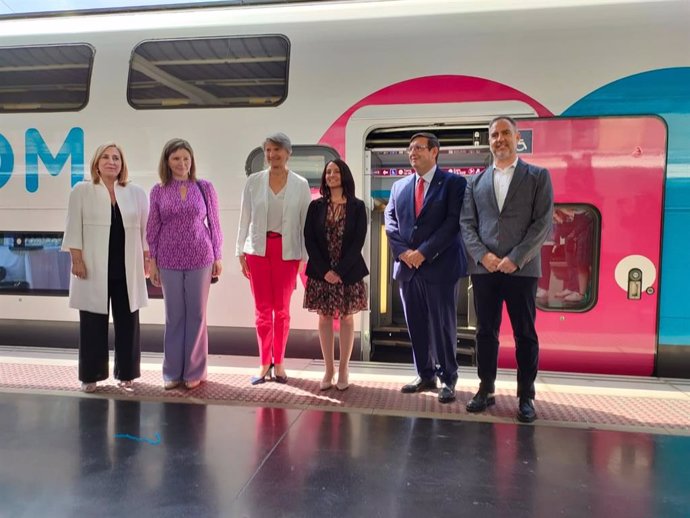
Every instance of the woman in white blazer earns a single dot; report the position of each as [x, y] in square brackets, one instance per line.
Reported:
[270, 246]
[105, 235]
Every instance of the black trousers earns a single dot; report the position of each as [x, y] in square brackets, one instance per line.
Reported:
[93, 339]
[519, 295]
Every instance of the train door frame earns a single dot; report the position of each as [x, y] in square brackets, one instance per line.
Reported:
[376, 116]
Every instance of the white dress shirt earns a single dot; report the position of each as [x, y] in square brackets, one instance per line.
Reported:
[502, 178]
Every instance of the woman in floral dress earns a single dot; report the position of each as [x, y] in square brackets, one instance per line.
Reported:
[334, 235]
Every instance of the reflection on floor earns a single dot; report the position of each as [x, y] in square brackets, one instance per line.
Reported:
[66, 456]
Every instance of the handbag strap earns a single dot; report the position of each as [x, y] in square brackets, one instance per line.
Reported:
[208, 215]
[208, 219]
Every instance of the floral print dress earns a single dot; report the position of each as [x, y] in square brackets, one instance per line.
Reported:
[335, 299]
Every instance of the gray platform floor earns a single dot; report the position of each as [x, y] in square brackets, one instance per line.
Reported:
[65, 456]
[620, 447]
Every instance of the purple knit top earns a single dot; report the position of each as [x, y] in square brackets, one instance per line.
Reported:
[176, 230]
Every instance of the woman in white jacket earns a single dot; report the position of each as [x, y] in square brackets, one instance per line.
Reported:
[270, 246]
[105, 235]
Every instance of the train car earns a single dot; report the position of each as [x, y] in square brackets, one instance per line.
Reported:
[600, 89]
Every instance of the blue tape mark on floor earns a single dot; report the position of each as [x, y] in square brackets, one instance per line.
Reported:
[155, 441]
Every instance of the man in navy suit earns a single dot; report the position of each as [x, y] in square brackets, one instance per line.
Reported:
[506, 218]
[423, 228]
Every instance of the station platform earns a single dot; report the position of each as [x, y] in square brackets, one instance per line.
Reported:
[602, 446]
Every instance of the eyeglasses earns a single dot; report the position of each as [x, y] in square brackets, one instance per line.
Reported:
[416, 148]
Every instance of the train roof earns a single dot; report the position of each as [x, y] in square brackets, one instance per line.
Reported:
[40, 8]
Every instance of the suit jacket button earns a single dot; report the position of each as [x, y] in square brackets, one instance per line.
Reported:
[415, 227]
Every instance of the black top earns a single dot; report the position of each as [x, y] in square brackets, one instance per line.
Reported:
[351, 267]
[116, 247]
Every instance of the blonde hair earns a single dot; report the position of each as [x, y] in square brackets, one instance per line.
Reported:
[170, 147]
[122, 177]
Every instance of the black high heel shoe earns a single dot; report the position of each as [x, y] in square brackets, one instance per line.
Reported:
[258, 380]
[280, 379]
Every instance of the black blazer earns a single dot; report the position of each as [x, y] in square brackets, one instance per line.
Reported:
[351, 267]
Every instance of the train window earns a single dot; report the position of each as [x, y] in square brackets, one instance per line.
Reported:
[307, 161]
[45, 78]
[31, 263]
[209, 72]
[569, 259]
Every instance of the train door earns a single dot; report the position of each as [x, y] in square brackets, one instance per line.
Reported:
[598, 296]
[464, 151]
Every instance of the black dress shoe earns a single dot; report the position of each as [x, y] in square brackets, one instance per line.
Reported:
[446, 394]
[480, 402]
[526, 412]
[418, 385]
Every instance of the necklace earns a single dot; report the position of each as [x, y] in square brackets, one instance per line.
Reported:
[337, 210]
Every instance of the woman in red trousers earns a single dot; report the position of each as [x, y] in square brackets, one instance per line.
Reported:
[270, 246]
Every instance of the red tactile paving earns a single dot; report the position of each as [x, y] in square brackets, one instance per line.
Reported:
[650, 413]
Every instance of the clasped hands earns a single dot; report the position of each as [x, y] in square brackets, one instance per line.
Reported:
[493, 263]
[332, 278]
[412, 258]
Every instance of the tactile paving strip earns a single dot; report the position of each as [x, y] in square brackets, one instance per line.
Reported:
[650, 414]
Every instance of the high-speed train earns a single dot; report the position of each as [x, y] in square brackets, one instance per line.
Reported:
[599, 88]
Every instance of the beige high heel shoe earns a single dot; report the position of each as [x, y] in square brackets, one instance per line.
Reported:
[343, 383]
[326, 383]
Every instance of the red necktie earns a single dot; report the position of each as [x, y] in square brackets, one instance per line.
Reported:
[419, 197]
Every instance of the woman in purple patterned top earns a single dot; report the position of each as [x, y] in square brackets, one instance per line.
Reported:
[185, 242]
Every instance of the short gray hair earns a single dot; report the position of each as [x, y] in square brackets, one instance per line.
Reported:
[279, 139]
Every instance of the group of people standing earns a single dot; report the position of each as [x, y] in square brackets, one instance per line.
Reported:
[439, 226]
[279, 227]
[502, 217]
[117, 237]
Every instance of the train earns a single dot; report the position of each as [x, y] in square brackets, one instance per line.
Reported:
[599, 89]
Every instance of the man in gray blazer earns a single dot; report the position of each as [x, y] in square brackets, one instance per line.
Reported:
[505, 219]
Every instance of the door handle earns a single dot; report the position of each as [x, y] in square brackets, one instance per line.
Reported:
[634, 284]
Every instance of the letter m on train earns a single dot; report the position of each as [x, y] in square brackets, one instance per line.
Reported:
[36, 149]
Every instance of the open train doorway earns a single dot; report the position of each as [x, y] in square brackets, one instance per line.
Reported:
[464, 151]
